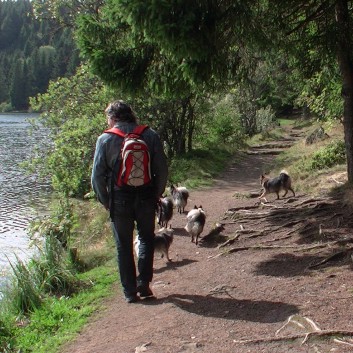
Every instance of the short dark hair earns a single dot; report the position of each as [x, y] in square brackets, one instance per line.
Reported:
[120, 111]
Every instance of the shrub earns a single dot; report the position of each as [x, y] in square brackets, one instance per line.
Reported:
[328, 156]
[265, 119]
[60, 224]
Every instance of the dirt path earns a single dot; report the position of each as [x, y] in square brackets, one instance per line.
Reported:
[207, 302]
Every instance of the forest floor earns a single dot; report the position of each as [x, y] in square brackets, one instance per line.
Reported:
[278, 279]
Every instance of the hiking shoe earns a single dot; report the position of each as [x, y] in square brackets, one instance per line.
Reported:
[145, 291]
[132, 298]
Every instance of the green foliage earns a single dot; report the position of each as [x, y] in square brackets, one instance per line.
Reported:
[265, 119]
[24, 293]
[174, 119]
[6, 334]
[5, 107]
[328, 156]
[222, 123]
[74, 116]
[168, 26]
[322, 94]
[52, 271]
[197, 168]
[59, 225]
[49, 272]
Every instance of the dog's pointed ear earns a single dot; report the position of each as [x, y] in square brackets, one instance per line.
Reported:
[195, 207]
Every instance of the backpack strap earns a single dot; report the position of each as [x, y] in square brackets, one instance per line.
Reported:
[140, 129]
[116, 131]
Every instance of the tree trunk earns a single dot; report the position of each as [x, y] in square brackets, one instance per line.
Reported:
[345, 62]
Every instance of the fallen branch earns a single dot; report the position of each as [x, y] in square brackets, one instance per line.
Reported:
[241, 232]
[242, 208]
[302, 322]
[229, 241]
[305, 336]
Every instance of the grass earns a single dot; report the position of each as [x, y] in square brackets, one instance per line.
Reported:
[198, 168]
[59, 319]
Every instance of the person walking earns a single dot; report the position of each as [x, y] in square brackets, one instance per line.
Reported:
[130, 206]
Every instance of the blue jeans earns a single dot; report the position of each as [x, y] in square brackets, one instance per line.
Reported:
[130, 209]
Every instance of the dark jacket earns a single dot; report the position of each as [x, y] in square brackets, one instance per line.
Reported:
[107, 150]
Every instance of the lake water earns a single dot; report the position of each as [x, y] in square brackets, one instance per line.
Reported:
[22, 197]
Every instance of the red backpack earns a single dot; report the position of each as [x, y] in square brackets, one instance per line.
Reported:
[135, 161]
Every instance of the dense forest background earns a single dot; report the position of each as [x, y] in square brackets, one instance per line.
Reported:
[33, 51]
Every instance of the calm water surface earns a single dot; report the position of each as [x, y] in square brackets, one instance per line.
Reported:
[22, 197]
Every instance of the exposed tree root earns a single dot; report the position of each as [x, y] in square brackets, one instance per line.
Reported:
[271, 247]
[312, 219]
[303, 323]
[334, 257]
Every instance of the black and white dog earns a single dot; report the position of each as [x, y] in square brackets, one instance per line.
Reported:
[164, 211]
[196, 220]
[162, 241]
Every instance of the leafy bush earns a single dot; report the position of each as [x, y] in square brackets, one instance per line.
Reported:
[60, 224]
[224, 124]
[328, 156]
[322, 94]
[73, 114]
[5, 107]
[265, 119]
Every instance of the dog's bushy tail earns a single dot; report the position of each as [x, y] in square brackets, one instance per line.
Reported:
[284, 176]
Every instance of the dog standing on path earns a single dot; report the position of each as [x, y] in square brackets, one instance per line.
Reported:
[164, 211]
[180, 196]
[196, 220]
[275, 185]
[162, 242]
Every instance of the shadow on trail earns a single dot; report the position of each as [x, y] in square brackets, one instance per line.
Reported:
[230, 308]
[173, 265]
[178, 231]
[322, 225]
[286, 265]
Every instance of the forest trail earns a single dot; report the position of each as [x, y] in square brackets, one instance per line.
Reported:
[282, 283]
